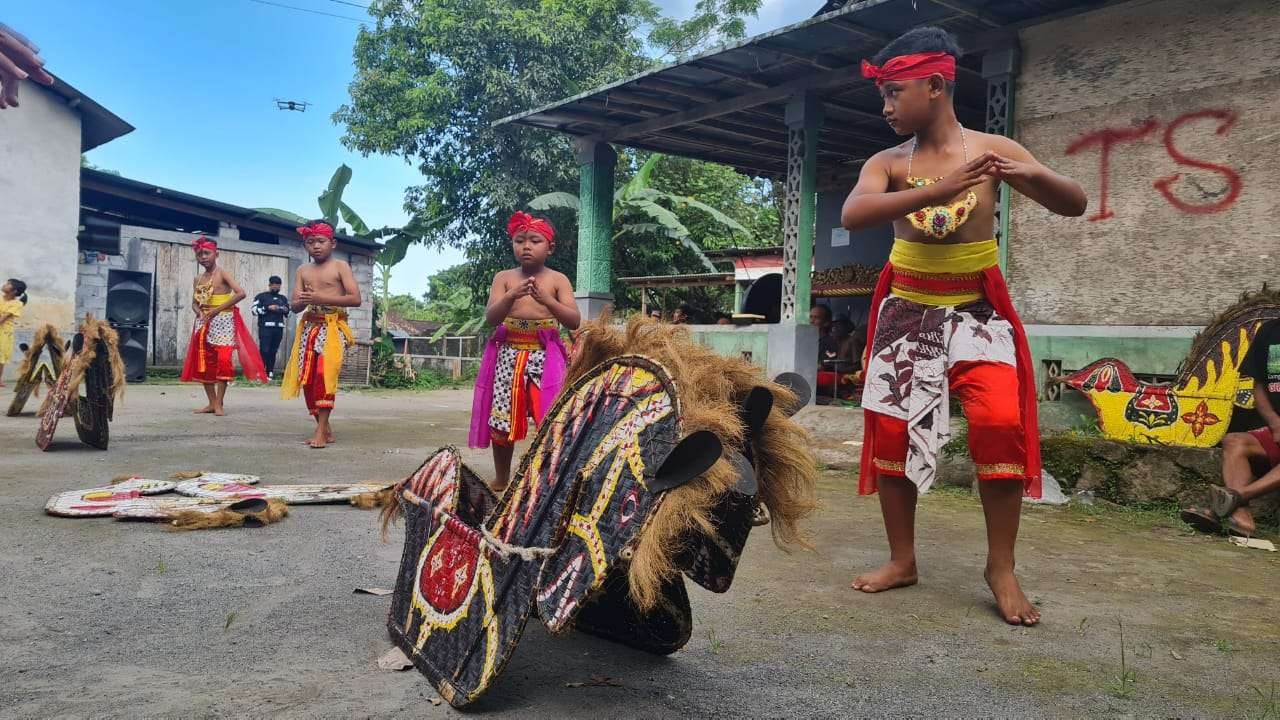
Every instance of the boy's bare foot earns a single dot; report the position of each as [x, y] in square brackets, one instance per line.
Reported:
[218, 411]
[1014, 606]
[886, 577]
[327, 438]
[319, 440]
[206, 410]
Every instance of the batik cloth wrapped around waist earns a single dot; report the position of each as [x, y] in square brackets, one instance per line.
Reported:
[223, 333]
[221, 329]
[520, 375]
[323, 332]
[938, 307]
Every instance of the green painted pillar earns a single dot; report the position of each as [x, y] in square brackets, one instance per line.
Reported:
[1000, 69]
[593, 286]
[804, 123]
[739, 294]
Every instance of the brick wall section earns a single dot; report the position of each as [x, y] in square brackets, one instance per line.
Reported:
[1200, 79]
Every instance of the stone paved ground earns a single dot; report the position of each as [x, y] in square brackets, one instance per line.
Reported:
[127, 620]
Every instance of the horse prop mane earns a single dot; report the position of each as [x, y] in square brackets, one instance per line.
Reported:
[648, 467]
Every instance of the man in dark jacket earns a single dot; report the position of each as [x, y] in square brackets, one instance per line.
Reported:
[271, 308]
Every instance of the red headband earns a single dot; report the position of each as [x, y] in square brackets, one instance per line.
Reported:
[203, 243]
[523, 221]
[316, 228]
[911, 67]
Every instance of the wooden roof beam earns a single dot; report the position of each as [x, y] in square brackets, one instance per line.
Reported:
[808, 60]
[855, 29]
[575, 117]
[646, 101]
[964, 8]
[681, 89]
[816, 81]
[727, 73]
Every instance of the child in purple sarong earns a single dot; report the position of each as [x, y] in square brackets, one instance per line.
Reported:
[524, 362]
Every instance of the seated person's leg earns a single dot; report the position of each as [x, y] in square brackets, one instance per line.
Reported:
[1243, 455]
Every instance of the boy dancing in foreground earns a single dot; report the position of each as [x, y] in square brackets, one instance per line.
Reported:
[941, 318]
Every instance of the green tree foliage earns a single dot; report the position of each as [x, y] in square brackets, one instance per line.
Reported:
[713, 21]
[432, 76]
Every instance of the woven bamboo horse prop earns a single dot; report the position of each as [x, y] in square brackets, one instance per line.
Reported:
[96, 363]
[41, 365]
[1195, 409]
[613, 501]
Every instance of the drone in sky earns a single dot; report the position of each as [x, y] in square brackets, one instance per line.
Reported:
[294, 105]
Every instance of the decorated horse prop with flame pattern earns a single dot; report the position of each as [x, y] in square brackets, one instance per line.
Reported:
[1195, 409]
[647, 469]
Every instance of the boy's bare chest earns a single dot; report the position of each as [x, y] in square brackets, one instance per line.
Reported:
[321, 278]
[214, 282]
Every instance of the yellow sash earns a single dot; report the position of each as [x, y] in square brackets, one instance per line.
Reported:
[336, 329]
[942, 262]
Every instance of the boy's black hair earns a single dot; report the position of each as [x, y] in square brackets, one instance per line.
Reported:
[275, 280]
[921, 40]
[19, 289]
[686, 308]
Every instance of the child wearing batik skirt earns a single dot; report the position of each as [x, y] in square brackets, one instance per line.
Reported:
[219, 331]
[322, 292]
[524, 362]
[941, 320]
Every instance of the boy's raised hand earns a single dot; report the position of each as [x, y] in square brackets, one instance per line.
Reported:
[535, 290]
[975, 172]
[521, 289]
[1011, 170]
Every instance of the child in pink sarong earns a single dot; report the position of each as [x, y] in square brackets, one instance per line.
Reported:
[524, 362]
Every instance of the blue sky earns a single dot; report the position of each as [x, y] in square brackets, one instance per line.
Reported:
[198, 78]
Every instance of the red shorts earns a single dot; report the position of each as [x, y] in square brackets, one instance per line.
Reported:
[218, 366]
[314, 391]
[988, 393]
[1268, 441]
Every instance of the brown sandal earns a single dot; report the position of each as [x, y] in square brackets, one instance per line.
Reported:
[1206, 521]
[1224, 501]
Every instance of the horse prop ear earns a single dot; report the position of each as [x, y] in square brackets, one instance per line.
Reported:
[798, 385]
[690, 458]
[755, 409]
[250, 505]
[747, 483]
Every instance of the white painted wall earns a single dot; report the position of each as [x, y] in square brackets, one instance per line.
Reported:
[40, 206]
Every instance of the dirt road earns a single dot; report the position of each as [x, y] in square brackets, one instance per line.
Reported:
[109, 619]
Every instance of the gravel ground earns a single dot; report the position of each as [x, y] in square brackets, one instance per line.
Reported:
[111, 619]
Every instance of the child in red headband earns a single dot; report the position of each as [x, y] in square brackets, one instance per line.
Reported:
[525, 361]
[941, 319]
[322, 292]
[218, 331]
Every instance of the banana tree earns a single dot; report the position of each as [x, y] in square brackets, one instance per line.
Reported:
[395, 241]
[640, 209]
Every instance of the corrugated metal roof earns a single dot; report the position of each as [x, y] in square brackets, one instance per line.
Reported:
[140, 192]
[727, 105]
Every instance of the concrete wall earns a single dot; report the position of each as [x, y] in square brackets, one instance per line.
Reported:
[1186, 91]
[40, 206]
[750, 342]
